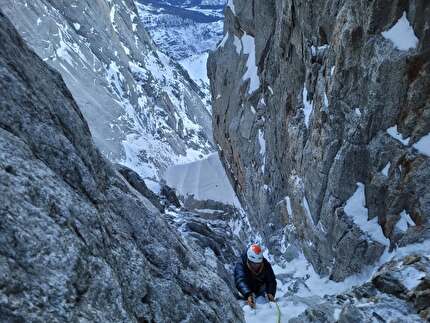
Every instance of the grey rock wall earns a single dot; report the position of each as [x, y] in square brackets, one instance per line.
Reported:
[311, 129]
[77, 241]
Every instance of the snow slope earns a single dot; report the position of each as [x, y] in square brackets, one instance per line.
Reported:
[205, 179]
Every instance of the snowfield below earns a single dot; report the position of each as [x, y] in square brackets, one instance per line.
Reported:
[205, 179]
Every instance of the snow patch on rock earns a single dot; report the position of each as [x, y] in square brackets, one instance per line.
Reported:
[402, 34]
[404, 222]
[394, 133]
[386, 169]
[262, 143]
[308, 106]
[423, 145]
[356, 208]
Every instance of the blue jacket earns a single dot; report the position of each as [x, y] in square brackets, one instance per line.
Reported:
[247, 282]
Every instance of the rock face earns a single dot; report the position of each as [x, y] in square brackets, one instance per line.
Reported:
[322, 114]
[143, 109]
[77, 241]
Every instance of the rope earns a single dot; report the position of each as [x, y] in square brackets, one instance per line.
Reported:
[278, 318]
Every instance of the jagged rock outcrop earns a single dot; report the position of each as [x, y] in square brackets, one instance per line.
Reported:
[322, 114]
[220, 230]
[77, 241]
[143, 109]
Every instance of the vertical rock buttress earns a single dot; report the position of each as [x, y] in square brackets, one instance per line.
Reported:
[322, 117]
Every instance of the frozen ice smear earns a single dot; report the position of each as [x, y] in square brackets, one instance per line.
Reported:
[402, 34]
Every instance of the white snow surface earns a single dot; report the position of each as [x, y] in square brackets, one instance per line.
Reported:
[393, 132]
[402, 34]
[356, 208]
[196, 67]
[423, 145]
[411, 277]
[205, 179]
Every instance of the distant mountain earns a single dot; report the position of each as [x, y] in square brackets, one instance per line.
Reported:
[186, 30]
[183, 28]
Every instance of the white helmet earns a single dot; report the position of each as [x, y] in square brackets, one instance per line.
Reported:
[255, 253]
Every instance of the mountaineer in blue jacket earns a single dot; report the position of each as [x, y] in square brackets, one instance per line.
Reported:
[254, 276]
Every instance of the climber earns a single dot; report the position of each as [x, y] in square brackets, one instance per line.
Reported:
[254, 276]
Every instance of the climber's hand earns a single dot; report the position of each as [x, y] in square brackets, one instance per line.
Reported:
[270, 297]
[250, 301]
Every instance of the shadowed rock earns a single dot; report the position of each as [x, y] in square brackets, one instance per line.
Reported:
[77, 242]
